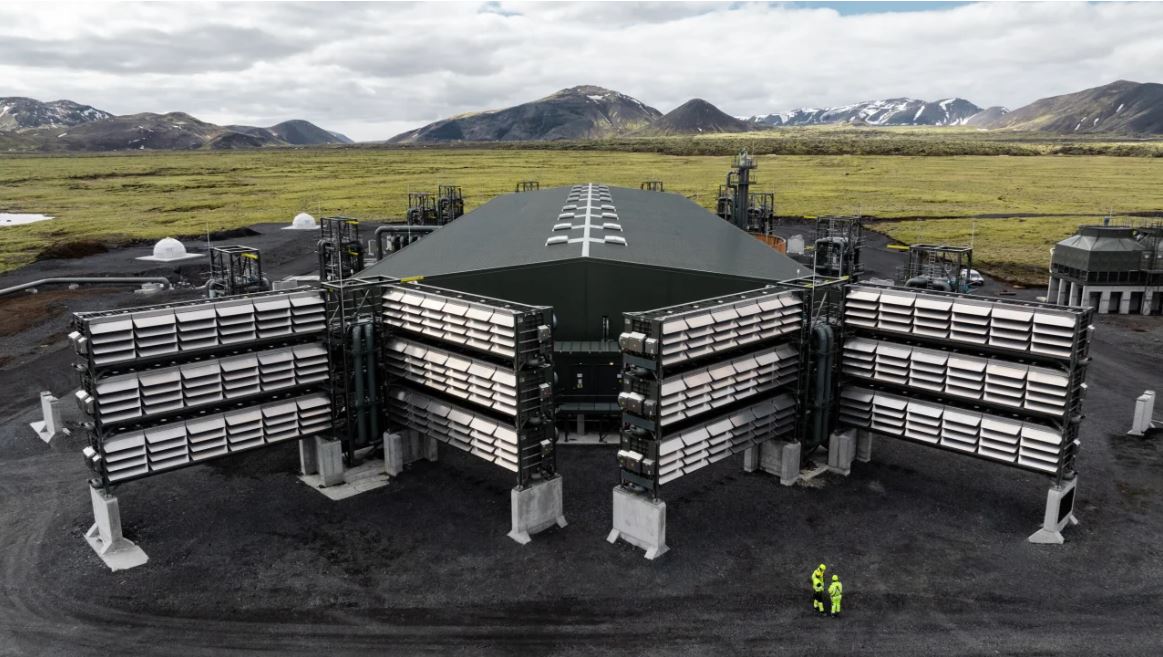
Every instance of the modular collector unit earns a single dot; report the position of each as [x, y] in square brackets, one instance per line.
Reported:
[708, 379]
[1003, 380]
[475, 373]
[167, 386]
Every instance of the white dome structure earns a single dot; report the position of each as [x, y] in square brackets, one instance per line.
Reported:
[170, 250]
[303, 221]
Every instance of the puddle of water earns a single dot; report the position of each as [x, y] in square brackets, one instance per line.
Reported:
[8, 219]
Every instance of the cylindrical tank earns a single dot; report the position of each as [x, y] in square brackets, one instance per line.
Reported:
[795, 245]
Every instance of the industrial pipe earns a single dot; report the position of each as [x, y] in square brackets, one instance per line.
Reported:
[113, 280]
[372, 396]
[926, 283]
[398, 230]
[823, 385]
[357, 358]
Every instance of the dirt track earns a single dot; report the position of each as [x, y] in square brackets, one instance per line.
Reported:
[931, 547]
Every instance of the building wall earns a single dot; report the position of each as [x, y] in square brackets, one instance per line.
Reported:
[1106, 299]
[582, 292]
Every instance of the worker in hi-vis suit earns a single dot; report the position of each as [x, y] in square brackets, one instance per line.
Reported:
[818, 589]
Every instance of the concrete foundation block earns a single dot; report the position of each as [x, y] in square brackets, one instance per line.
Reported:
[864, 446]
[842, 451]
[640, 521]
[751, 458]
[308, 458]
[404, 448]
[781, 459]
[536, 508]
[329, 460]
[1143, 420]
[394, 454]
[51, 425]
[118, 552]
[1059, 514]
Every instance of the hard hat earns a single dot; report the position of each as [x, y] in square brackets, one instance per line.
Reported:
[823, 567]
[835, 578]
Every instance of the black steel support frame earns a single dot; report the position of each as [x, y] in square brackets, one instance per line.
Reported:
[236, 270]
[953, 263]
[339, 248]
[823, 299]
[750, 211]
[1074, 366]
[527, 186]
[644, 374]
[652, 186]
[352, 303]
[845, 234]
[532, 366]
[421, 209]
[449, 204]
[90, 375]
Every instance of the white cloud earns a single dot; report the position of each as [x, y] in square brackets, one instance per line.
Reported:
[372, 70]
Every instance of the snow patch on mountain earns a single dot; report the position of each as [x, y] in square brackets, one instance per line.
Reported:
[886, 112]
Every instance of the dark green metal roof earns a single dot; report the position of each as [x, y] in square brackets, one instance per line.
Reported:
[1100, 248]
[659, 229]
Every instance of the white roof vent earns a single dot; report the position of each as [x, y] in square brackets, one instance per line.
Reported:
[615, 239]
[562, 226]
[170, 250]
[303, 221]
[609, 225]
[557, 239]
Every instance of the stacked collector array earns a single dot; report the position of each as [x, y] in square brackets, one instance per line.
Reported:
[1000, 380]
[474, 373]
[170, 386]
[705, 380]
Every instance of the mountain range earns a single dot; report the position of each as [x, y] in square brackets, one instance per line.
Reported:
[589, 112]
[63, 125]
[584, 112]
[577, 113]
[891, 111]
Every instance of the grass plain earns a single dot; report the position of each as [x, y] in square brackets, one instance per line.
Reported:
[1016, 207]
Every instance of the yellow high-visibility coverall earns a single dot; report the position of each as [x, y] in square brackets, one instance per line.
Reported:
[835, 591]
[818, 589]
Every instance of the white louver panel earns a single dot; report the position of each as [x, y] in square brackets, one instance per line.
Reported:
[997, 324]
[1038, 389]
[468, 378]
[133, 335]
[477, 326]
[999, 438]
[1052, 334]
[856, 406]
[923, 422]
[1027, 444]
[933, 317]
[170, 389]
[706, 388]
[458, 426]
[698, 446]
[137, 453]
[703, 331]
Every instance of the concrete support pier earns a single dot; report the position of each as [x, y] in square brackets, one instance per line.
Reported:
[863, 445]
[51, 425]
[329, 461]
[535, 508]
[640, 521]
[404, 448]
[1059, 514]
[781, 459]
[118, 552]
[842, 451]
[322, 467]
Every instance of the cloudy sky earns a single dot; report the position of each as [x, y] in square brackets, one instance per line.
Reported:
[373, 70]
